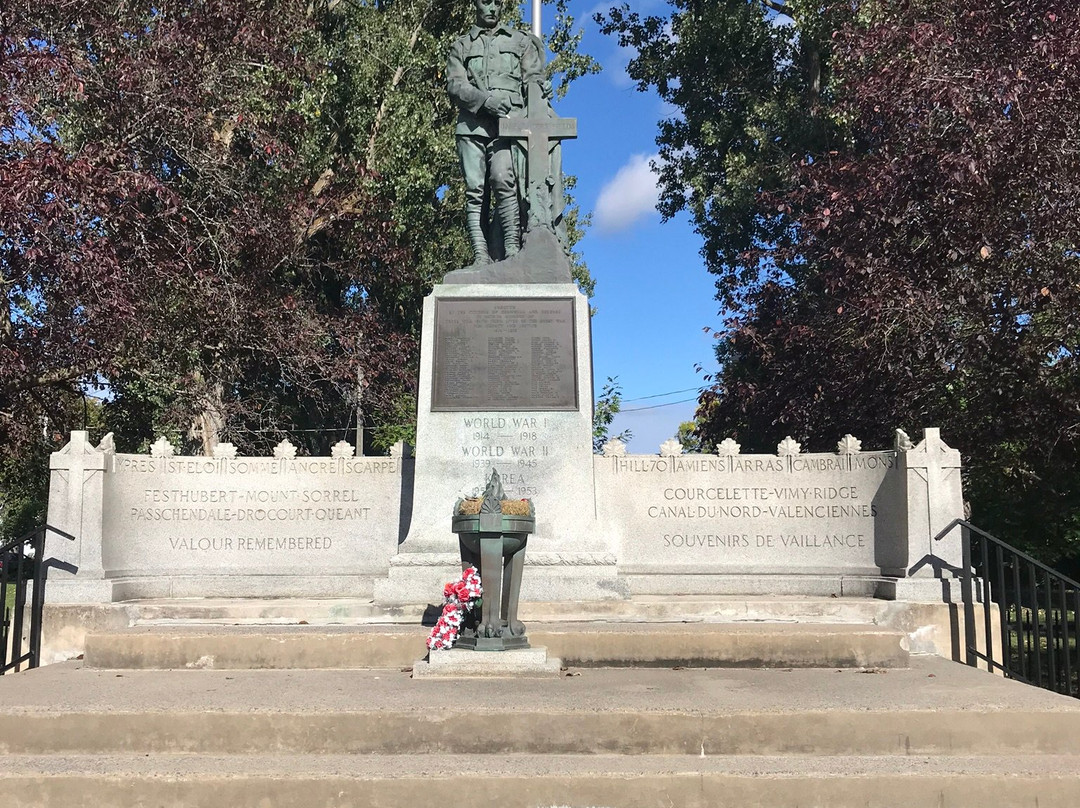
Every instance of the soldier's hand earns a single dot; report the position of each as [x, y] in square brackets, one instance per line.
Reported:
[500, 107]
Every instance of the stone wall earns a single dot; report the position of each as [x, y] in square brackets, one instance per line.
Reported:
[831, 516]
[844, 523]
[225, 526]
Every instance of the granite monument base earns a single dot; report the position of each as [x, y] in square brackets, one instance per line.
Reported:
[506, 383]
[459, 663]
[865, 524]
[419, 578]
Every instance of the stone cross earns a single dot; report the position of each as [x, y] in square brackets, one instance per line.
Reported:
[937, 465]
[75, 503]
[538, 130]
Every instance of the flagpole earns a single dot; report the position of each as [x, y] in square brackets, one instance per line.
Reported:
[536, 17]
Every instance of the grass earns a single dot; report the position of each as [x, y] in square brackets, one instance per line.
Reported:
[1023, 643]
[1029, 645]
[1070, 615]
[1041, 618]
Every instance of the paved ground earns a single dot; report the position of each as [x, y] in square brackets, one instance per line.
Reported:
[507, 765]
[937, 734]
[930, 684]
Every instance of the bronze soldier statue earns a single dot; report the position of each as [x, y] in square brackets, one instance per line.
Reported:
[488, 72]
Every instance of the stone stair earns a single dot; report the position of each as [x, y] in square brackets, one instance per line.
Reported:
[645, 630]
[778, 702]
[639, 609]
[770, 645]
[934, 733]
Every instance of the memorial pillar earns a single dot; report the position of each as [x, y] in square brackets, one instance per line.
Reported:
[934, 500]
[76, 500]
[505, 383]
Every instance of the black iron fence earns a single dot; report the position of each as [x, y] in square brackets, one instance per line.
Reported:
[22, 570]
[1035, 609]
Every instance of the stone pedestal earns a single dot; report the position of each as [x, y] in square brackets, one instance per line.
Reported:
[460, 663]
[934, 499]
[76, 507]
[494, 543]
[505, 383]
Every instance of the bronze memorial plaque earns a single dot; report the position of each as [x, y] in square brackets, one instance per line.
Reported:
[504, 354]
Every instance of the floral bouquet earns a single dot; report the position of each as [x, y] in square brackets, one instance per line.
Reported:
[460, 599]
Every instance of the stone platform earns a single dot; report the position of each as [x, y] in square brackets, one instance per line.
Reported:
[935, 734]
[364, 611]
[582, 644]
[848, 524]
[641, 630]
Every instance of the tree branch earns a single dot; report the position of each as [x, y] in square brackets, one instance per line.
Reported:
[349, 206]
[7, 325]
[399, 73]
[813, 68]
[51, 379]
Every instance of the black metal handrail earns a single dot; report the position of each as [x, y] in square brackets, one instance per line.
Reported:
[22, 561]
[1038, 612]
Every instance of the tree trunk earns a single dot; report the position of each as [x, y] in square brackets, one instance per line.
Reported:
[210, 423]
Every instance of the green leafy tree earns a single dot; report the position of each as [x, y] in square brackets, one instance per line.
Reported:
[225, 212]
[750, 85]
[23, 481]
[399, 426]
[913, 259]
[688, 438]
[608, 404]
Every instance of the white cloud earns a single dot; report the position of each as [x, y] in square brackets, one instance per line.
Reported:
[669, 111]
[628, 197]
[617, 63]
[616, 67]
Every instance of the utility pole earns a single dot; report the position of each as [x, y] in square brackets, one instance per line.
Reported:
[536, 17]
[359, 412]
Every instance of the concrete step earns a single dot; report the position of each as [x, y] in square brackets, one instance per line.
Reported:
[516, 781]
[933, 734]
[801, 645]
[643, 608]
[934, 708]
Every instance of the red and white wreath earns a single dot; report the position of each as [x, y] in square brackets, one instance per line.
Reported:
[459, 598]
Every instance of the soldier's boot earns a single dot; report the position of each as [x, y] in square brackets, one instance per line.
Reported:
[477, 238]
[509, 218]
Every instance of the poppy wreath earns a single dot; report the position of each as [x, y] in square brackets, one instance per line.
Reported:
[460, 600]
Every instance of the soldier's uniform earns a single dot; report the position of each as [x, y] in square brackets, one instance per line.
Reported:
[496, 63]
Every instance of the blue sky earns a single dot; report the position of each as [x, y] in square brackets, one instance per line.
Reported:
[653, 294]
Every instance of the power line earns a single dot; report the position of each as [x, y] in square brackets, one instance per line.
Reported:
[660, 395]
[625, 400]
[657, 406]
